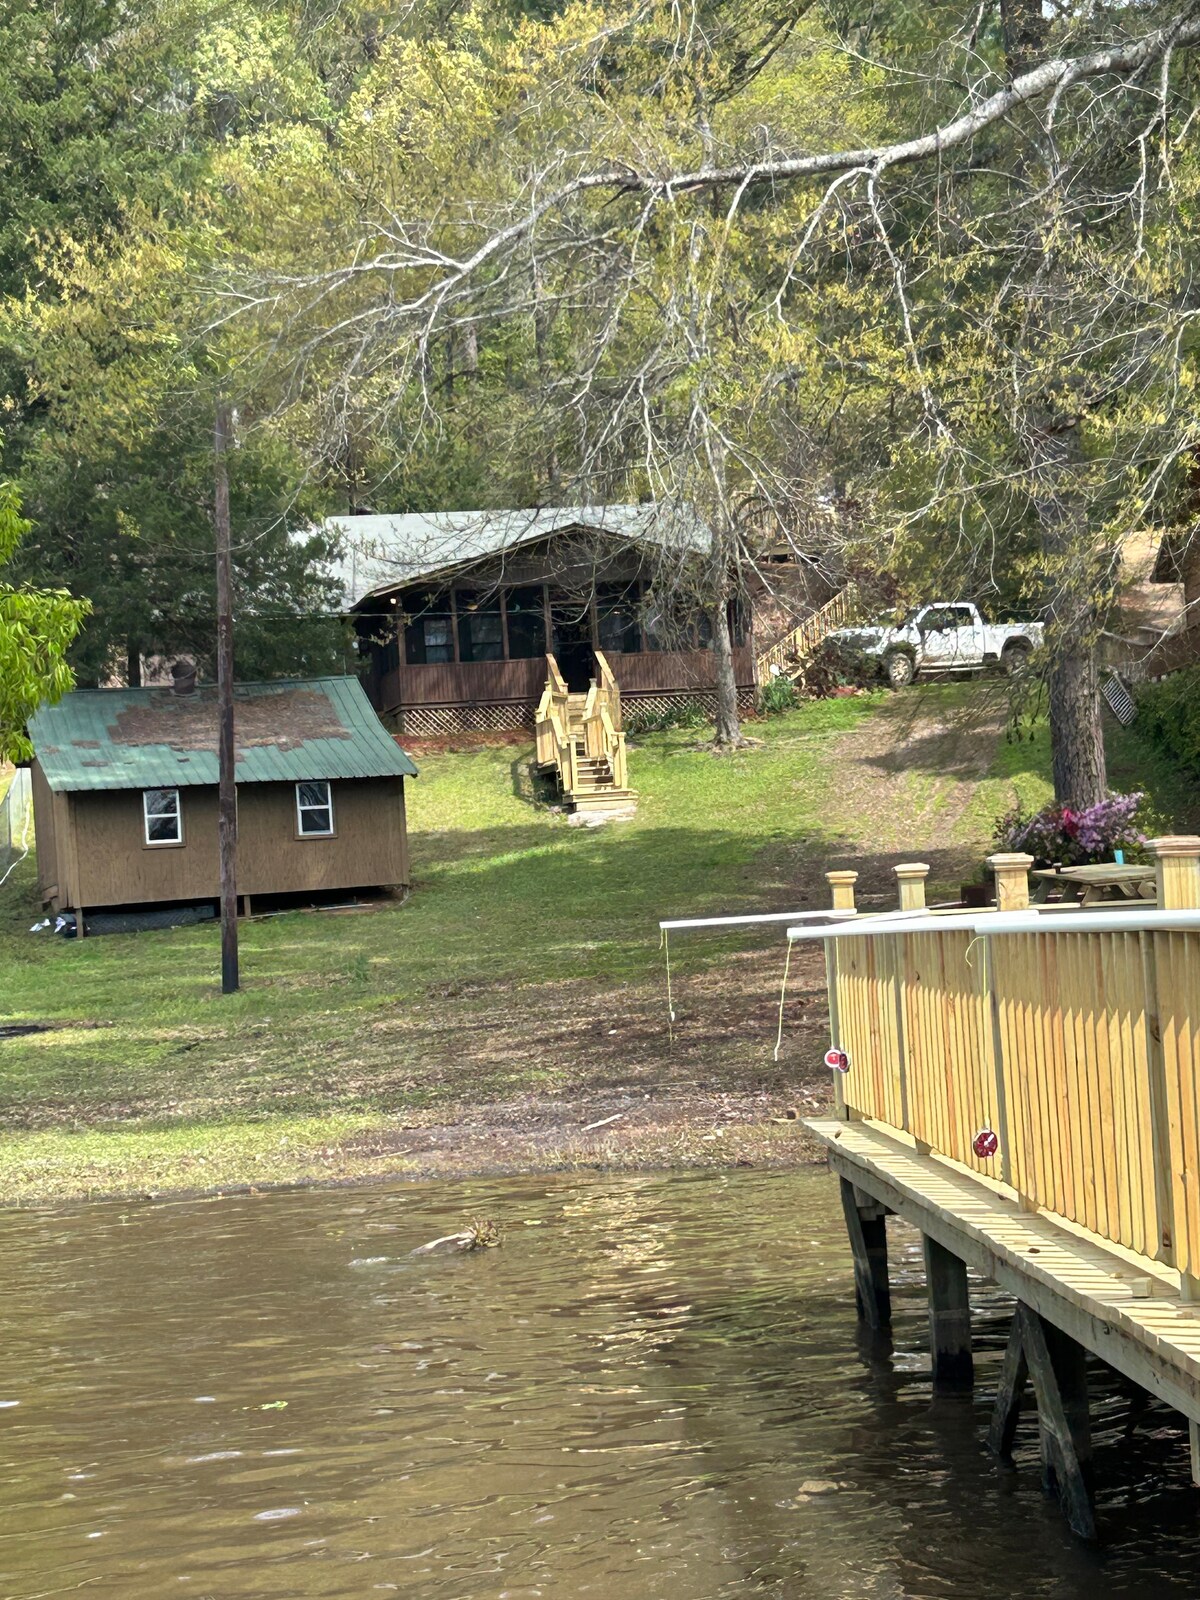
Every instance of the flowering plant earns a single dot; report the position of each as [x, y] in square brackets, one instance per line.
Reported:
[1060, 834]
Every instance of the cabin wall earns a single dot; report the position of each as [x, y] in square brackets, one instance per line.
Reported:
[45, 832]
[117, 867]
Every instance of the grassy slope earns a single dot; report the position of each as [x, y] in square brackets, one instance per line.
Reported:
[317, 1046]
[346, 1021]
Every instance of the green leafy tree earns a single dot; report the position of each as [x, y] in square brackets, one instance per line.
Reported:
[37, 627]
[145, 146]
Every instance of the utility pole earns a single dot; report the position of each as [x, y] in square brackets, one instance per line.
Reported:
[227, 790]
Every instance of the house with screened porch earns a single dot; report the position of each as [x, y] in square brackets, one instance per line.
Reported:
[456, 612]
[125, 795]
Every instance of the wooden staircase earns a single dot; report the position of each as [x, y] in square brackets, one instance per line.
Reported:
[580, 738]
[786, 657]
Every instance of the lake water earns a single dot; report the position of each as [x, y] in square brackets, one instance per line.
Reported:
[655, 1390]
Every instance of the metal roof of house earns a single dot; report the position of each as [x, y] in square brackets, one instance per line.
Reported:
[383, 551]
[286, 732]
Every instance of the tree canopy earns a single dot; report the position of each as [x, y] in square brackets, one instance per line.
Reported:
[37, 627]
[913, 282]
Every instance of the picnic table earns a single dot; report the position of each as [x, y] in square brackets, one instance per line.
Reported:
[1103, 881]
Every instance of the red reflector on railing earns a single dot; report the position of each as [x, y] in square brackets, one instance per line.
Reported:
[985, 1144]
[838, 1060]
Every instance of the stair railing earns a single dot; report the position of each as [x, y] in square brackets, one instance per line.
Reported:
[606, 680]
[552, 725]
[603, 736]
[805, 636]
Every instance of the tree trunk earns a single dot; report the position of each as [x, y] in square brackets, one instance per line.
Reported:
[133, 664]
[729, 729]
[1073, 616]
[1076, 728]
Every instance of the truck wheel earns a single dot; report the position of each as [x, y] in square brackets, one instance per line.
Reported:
[1014, 659]
[900, 669]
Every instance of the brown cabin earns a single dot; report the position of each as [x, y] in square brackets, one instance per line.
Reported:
[456, 612]
[125, 794]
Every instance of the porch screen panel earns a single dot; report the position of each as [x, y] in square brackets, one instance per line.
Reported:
[526, 622]
[674, 626]
[429, 629]
[480, 630]
[617, 617]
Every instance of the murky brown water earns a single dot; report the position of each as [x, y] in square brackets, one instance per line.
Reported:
[268, 1397]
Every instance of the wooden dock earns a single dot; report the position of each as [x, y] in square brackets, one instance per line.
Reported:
[1023, 1086]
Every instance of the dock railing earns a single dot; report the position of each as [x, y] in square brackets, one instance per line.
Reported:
[1053, 1050]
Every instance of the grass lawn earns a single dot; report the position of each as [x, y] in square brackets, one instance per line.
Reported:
[518, 993]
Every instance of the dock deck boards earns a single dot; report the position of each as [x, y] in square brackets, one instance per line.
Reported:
[1071, 1280]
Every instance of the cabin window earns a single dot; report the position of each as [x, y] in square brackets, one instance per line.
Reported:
[314, 810]
[617, 618]
[526, 623]
[163, 816]
[480, 630]
[676, 627]
[429, 630]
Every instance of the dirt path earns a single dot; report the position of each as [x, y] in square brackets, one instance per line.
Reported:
[907, 777]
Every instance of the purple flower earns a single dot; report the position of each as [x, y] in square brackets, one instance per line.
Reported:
[1057, 833]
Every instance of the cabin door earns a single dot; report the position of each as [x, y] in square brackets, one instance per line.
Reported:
[572, 645]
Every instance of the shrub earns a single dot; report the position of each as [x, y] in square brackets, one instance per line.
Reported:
[1170, 715]
[837, 664]
[778, 695]
[1074, 838]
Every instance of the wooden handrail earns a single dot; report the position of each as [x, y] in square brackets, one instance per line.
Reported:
[805, 636]
[1057, 1054]
[608, 683]
[557, 683]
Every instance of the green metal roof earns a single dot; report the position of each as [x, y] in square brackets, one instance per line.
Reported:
[287, 732]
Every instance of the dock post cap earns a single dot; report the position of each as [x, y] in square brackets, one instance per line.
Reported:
[1010, 858]
[1175, 844]
[841, 883]
[910, 880]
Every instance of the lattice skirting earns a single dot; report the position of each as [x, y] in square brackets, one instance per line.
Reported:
[657, 702]
[503, 716]
[431, 722]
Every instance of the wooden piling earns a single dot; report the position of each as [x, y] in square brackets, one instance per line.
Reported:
[949, 1317]
[1057, 1366]
[1014, 1377]
[867, 1226]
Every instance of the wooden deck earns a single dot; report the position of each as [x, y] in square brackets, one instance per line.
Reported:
[1023, 1086]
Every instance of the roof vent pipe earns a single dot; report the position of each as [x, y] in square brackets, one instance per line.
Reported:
[183, 677]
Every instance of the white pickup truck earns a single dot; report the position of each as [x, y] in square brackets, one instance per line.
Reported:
[943, 637]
